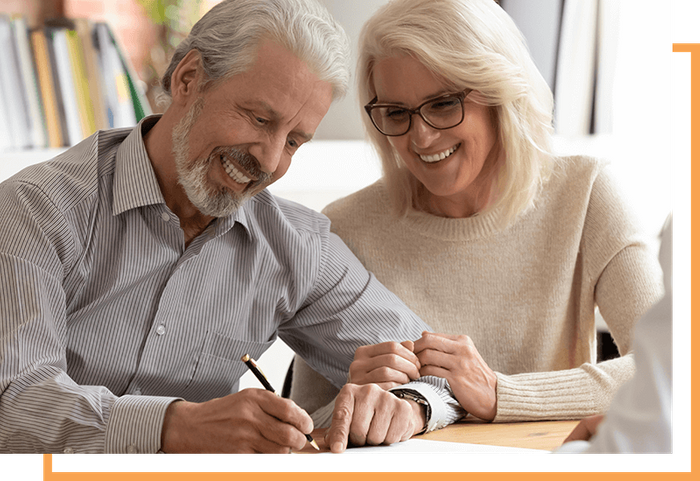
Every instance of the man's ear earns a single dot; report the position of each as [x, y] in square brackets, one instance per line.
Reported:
[187, 77]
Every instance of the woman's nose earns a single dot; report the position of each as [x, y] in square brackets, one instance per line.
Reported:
[422, 134]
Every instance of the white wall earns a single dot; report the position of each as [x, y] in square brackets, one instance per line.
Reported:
[343, 119]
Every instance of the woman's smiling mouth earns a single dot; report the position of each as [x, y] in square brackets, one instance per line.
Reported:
[439, 156]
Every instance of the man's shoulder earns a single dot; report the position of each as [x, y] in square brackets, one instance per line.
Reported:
[73, 175]
[276, 212]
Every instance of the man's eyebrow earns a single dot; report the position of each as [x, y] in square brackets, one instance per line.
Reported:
[274, 115]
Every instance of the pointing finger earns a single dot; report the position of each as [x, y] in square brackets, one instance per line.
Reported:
[337, 435]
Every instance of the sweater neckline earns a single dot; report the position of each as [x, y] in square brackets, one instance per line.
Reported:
[446, 228]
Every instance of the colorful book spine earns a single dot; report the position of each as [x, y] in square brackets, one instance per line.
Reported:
[35, 109]
[46, 87]
[80, 81]
[12, 89]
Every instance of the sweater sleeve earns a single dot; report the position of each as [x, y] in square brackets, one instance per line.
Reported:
[625, 280]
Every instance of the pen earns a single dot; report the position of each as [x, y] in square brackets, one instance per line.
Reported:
[250, 362]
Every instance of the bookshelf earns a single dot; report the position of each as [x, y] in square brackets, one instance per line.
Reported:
[61, 79]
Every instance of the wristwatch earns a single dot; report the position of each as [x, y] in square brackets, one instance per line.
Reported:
[416, 398]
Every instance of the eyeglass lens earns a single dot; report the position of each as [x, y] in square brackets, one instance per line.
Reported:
[442, 113]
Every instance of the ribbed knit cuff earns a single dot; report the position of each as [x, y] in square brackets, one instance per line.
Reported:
[135, 424]
[547, 395]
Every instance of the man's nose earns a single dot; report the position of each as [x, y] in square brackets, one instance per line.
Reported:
[269, 153]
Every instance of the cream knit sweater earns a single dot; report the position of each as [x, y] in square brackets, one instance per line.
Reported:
[525, 294]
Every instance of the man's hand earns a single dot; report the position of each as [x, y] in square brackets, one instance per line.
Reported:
[370, 415]
[388, 364]
[250, 421]
[456, 359]
[586, 428]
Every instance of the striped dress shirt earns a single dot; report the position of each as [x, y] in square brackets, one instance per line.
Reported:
[106, 317]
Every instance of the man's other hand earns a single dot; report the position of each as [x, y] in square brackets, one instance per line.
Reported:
[369, 415]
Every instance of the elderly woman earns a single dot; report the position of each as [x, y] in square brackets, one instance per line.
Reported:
[494, 241]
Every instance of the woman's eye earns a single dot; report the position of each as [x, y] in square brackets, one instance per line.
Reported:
[395, 113]
[444, 104]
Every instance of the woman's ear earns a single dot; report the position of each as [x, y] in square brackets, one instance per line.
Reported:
[187, 77]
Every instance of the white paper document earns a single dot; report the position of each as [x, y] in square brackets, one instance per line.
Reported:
[423, 446]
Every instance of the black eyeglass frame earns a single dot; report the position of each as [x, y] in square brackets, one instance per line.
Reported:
[371, 105]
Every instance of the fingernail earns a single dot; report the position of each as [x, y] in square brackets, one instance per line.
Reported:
[337, 447]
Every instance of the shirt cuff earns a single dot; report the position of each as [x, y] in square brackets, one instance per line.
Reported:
[441, 411]
[136, 423]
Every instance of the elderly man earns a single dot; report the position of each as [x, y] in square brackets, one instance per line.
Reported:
[139, 266]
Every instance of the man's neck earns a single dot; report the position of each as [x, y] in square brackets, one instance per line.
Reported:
[158, 143]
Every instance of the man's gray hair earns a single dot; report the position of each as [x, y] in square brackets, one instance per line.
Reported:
[227, 38]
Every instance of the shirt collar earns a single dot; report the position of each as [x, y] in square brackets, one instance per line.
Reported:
[136, 185]
[135, 182]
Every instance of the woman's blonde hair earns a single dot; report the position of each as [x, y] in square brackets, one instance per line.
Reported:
[470, 44]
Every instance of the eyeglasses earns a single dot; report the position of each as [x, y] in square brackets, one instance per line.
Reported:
[440, 113]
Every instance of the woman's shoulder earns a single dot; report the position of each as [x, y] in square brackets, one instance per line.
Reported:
[369, 201]
[574, 168]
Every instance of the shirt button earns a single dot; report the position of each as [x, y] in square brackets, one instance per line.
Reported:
[68, 451]
[165, 216]
[137, 392]
[131, 449]
[160, 330]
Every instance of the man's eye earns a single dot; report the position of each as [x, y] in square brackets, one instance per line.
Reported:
[261, 121]
[292, 143]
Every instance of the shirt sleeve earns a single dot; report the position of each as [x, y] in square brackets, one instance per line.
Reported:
[349, 308]
[41, 408]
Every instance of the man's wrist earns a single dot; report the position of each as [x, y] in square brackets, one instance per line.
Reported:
[172, 438]
[421, 409]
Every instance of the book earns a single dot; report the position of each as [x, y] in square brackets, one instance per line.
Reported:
[120, 107]
[46, 87]
[141, 106]
[85, 31]
[55, 79]
[27, 70]
[11, 87]
[80, 81]
[66, 87]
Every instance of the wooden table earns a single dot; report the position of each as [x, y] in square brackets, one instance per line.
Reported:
[546, 435]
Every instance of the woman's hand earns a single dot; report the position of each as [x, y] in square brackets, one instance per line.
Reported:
[456, 359]
[388, 364]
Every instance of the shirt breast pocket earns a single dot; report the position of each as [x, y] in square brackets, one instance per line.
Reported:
[219, 366]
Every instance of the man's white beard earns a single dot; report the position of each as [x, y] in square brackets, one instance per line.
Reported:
[193, 175]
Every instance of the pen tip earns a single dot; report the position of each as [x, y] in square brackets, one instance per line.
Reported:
[313, 443]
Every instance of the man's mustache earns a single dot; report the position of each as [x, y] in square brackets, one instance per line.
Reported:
[246, 161]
